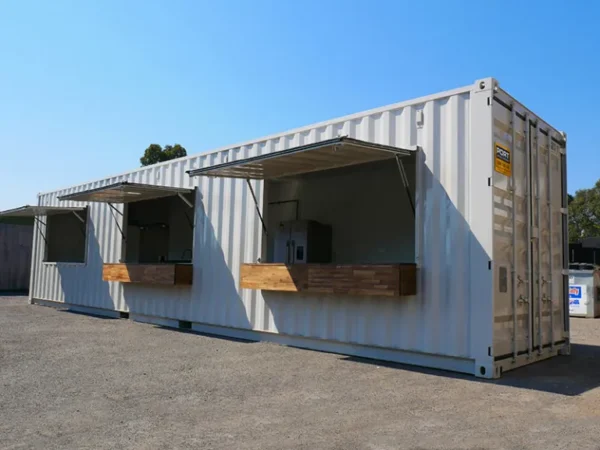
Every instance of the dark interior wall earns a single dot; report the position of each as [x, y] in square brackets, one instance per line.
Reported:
[181, 229]
[366, 205]
[159, 229]
[147, 223]
[66, 238]
[578, 253]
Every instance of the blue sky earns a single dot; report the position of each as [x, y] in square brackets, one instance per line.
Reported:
[86, 86]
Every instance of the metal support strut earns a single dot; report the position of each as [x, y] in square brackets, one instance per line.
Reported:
[113, 210]
[257, 207]
[405, 182]
[40, 222]
[82, 220]
[185, 200]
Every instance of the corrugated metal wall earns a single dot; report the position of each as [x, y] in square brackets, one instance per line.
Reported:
[15, 256]
[529, 308]
[228, 233]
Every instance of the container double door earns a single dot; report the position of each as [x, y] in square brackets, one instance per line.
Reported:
[540, 287]
[528, 237]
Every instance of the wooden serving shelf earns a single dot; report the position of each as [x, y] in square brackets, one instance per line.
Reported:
[388, 280]
[164, 274]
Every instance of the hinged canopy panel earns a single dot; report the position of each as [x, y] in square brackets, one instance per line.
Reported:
[32, 211]
[125, 192]
[324, 155]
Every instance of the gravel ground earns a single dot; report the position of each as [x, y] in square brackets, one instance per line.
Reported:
[71, 381]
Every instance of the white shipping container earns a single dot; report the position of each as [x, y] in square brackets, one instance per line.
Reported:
[488, 235]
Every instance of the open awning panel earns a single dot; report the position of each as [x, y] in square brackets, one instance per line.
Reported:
[125, 192]
[33, 211]
[324, 155]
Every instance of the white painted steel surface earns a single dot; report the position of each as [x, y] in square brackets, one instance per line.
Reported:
[452, 315]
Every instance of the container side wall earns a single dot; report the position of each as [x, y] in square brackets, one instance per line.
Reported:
[228, 233]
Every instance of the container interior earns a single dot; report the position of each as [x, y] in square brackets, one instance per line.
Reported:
[65, 237]
[365, 209]
[159, 231]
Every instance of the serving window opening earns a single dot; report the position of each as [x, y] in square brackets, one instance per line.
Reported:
[361, 214]
[157, 229]
[63, 230]
[338, 217]
[66, 237]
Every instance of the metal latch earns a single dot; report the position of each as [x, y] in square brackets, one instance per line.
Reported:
[521, 280]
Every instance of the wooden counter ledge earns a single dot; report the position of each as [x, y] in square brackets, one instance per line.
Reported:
[388, 280]
[163, 274]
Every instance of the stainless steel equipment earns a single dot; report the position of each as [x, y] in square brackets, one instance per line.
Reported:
[302, 241]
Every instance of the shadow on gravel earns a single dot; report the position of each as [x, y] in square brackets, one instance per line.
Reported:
[565, 375]
[199, 333]
[80, 313]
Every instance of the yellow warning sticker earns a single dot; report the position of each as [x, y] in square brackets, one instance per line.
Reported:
[502, 161]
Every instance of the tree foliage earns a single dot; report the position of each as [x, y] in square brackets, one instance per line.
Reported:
[155, 154]
[584, 213]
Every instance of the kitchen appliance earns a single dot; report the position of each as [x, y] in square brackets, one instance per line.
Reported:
[302, 241]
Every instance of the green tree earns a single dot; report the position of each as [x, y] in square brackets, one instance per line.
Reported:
[584, 213]
[155, 154]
